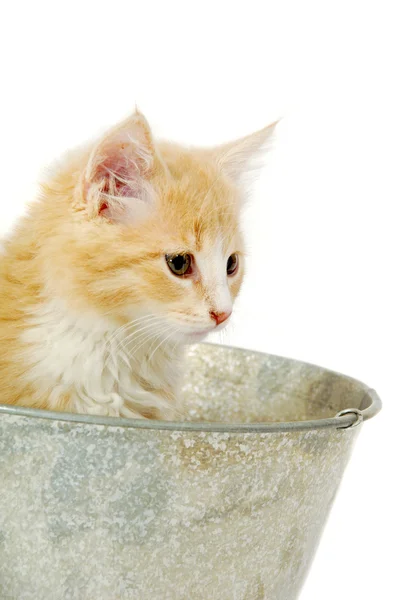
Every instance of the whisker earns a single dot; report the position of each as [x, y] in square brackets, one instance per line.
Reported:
[122, 343]
[136, 331]
[153, 334]
[176, 343]
[170, 326]
[143, 336]
[162, 342]
[127, 325]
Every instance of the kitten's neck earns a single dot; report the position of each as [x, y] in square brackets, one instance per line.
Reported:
[98, 366]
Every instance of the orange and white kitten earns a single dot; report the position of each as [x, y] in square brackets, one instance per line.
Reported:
[132, 251]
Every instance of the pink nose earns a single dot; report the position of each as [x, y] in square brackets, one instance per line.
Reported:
[220, 317]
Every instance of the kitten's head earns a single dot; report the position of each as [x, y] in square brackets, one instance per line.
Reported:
[155, 234]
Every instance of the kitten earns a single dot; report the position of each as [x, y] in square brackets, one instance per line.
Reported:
[132, 251]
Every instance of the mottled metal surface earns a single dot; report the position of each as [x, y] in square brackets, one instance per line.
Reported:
[102, 512]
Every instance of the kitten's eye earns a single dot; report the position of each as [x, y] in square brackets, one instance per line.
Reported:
[232, 264]
[179, 264]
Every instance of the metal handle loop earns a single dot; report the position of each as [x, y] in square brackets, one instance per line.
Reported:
[356, 412]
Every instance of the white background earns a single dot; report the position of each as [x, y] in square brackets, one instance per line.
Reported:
[321, 225]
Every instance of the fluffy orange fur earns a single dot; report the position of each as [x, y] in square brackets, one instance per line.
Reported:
[91, 317]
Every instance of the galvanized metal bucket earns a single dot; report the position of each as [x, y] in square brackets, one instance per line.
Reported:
[229, 505]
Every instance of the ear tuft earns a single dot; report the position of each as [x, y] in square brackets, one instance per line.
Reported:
[116, 179]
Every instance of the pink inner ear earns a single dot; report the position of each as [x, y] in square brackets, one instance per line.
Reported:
[118, 183]
[120, 171]
[118, 175]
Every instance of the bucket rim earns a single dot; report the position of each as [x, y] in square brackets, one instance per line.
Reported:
[369, 407]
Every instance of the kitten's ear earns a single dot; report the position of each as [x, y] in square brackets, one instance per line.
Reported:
[116, 179]
[242, 156]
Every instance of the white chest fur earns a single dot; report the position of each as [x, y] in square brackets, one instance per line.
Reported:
[81, 358]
